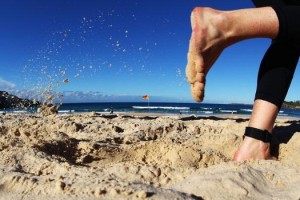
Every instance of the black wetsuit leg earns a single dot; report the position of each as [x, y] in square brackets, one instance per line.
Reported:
[276, 72]
[278, 65]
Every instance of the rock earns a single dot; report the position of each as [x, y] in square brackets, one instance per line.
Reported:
[11, 101]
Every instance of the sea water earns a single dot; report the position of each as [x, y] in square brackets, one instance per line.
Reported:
[156, 107]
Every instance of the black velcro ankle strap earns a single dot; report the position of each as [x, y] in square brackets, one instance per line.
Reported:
[258, 134]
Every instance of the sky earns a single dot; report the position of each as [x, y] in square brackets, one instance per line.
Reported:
[118, 50]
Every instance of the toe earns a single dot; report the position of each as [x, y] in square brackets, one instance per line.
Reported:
[190, 71]
[194, 69]
[200, 77]
[197, 90]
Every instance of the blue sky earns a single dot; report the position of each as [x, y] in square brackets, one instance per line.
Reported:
[118, 50]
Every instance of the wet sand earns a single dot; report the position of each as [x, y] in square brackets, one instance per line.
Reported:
[142, 156]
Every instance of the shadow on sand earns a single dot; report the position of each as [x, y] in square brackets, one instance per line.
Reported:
[283, 134]
[190, 118]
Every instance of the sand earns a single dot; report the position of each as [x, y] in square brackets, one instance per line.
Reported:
[95, 156]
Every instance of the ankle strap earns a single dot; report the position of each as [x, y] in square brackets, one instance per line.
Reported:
[262, 135]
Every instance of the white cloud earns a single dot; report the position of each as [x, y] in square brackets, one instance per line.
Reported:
[79, 96]
[90, 96]
[6, 84]
[85, 97]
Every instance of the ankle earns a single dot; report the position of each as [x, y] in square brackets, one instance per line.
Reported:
[229, 25]
[252, 149]
[221, 22]
[256, 144]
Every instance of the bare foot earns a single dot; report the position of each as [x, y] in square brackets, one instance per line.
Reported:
[252, 149]
[206, 44]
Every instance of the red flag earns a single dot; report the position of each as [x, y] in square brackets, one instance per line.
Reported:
[145, 97]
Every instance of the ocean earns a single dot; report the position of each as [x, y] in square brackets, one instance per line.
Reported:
[156, 107]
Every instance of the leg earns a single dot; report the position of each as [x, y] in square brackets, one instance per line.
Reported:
[214, 30]
[274, 78]
[263, 118]
[276, 72]
[288, 13]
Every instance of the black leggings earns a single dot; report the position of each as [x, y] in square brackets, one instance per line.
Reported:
[279, 63]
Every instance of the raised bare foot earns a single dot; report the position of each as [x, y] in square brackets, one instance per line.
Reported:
[252, 149]
[207, 42]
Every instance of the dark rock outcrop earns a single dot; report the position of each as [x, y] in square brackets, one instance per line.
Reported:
[11, 101]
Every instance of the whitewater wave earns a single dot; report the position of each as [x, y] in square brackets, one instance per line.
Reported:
[20, 111]
[280, 114]
[160, 108]
[204, 108]
[207, 112]
[66, 111]
[246, 110]
[228, 111]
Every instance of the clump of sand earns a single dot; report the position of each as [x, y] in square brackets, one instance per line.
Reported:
[94, 156]
[47, 109]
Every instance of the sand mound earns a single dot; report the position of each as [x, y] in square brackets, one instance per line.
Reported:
[93, 156]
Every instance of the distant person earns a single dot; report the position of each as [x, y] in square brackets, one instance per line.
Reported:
[214, 30]
[111, 110]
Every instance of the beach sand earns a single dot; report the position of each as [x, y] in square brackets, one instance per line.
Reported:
[126, 156]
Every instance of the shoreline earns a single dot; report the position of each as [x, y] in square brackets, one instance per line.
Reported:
[158, 108]
[143, 114]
